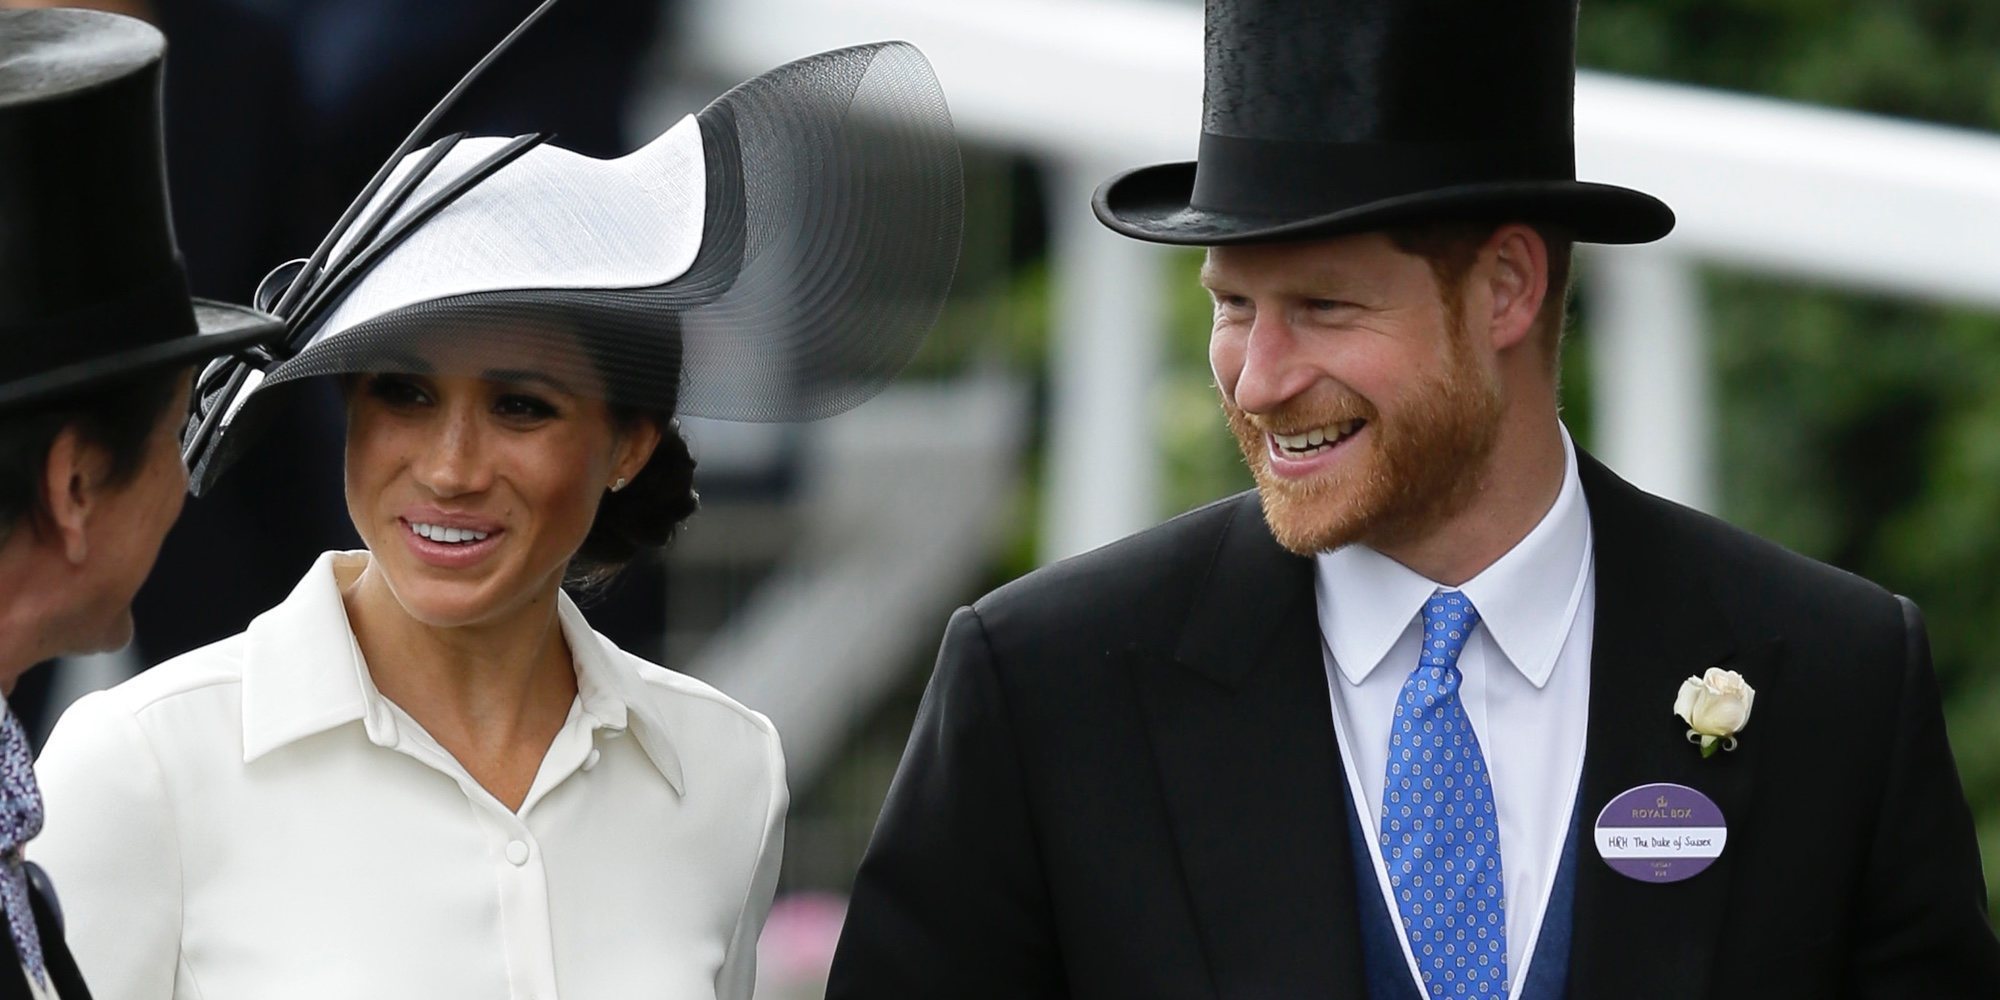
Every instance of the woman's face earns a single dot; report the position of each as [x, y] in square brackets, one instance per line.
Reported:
[473, 493]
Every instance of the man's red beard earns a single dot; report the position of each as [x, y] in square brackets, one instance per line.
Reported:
[1418, 467]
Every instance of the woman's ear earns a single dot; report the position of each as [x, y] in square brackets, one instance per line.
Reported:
[633, 447]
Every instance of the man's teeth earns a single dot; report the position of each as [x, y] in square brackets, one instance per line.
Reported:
[438, 533]
[1317, 437]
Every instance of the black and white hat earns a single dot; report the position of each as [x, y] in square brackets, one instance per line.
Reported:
[778, 256]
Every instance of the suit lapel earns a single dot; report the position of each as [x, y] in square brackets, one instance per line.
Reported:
[61, 968]
[1242, 735]
[1656, 626]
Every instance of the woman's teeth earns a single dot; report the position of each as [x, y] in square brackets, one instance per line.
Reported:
[450, 536]
[1311, 441]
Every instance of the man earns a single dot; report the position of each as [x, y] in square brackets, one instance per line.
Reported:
[97, 335]
[1403, 722]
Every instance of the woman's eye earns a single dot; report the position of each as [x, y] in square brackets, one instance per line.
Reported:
[521, 407]
[396, 390]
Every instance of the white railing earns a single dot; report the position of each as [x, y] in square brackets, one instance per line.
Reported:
[1096, 85]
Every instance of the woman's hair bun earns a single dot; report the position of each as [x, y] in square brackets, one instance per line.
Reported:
[643, 515]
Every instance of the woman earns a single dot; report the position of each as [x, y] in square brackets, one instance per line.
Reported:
[423, 775]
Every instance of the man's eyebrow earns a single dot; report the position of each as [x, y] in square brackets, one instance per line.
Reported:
[518, 376]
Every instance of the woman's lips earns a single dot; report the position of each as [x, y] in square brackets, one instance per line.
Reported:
[445, 554]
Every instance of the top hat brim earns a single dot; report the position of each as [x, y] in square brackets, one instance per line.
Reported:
[1152, 204]
[221, 329]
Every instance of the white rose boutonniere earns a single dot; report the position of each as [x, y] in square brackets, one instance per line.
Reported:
[1715, 706]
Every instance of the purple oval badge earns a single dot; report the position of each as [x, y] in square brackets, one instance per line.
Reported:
[1661, 833]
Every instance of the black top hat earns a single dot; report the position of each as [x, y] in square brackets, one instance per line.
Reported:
[1323, 117]
[91, 283]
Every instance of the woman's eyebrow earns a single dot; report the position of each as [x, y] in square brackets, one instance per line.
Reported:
[512, 376]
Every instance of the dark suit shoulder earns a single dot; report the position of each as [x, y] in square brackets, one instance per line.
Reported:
[1161, 563]
[1127, 591]
[1766, 590]
[1743, 553]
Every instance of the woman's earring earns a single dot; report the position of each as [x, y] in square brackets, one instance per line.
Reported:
[619, 485]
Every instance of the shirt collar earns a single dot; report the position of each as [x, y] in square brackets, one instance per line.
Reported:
[303, 674]
[611, 691]
[1527, 599]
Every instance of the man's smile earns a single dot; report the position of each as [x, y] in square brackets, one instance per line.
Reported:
[1306, 443]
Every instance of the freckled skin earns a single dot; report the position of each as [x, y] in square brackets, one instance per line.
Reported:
[1309, 335]
[533, 460]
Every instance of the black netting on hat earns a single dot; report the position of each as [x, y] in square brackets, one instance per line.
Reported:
[828, 200]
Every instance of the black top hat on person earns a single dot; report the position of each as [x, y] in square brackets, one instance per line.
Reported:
[778, 256]
[1324, 117]
[91, 284]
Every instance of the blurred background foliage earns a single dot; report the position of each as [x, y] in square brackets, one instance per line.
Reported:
[1859, 430]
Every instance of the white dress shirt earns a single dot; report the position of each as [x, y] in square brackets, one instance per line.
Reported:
[1526, 690]
[255, 820]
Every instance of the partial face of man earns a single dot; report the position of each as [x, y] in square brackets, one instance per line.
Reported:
[1354, 387]
[125, 533]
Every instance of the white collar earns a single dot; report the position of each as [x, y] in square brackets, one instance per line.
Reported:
[1527, 598]
[303, 674]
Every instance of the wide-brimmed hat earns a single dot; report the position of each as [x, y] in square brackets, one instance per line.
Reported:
[778, 256]
[1323, 117]
[92, 289]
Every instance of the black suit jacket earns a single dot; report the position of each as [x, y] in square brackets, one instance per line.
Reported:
[63, 976]
[1123, 782]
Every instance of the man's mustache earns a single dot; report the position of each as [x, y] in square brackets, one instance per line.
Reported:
[1297, 416]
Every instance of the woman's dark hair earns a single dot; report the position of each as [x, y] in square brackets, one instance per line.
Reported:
[119, 417]
[646, 512]
[643, 515]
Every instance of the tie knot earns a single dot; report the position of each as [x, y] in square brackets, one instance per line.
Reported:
[1448, 621]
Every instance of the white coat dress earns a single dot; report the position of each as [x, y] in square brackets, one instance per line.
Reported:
[255, 820]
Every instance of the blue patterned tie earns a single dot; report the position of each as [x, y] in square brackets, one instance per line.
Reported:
[20, 820]
[1440, 835]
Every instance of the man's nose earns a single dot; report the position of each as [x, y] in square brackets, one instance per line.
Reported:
[1273, 370]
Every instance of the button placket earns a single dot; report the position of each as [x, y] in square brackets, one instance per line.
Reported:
[522, 884]
[520, 880]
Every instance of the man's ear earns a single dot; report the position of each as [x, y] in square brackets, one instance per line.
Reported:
[72, 489]
[1519, 275]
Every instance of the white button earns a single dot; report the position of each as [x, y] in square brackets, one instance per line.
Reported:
[517, 852]
[590, 761]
